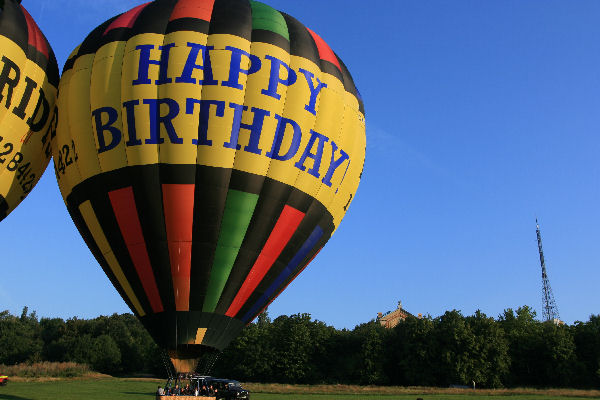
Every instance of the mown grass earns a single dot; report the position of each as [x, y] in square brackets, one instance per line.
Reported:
[78, 389]
[125, 389]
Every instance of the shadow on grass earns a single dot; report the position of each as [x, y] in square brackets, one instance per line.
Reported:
[11, 397]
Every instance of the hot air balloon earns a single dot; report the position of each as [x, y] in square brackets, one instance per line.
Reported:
[206, 151]
[28, 83]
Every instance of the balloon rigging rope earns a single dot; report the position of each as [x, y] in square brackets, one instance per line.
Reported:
[167, 363]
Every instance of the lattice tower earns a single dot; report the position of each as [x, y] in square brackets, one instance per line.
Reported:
[549, 311]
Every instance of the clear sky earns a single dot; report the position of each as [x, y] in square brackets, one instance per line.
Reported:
[481, 115]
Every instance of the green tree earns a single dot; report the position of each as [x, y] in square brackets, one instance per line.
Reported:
[20, 339]
[119, 328]
[298, 345]
[339, 362]
[557, 358]
[250, 356]
[542, 353]
[455, 342]
[52, 330]
[371, 340]
[105, 355]
[79, 348]
[490, 361]
[412, 353]
[263, 318]
[524, 335]
[586, 337]
[291, 348]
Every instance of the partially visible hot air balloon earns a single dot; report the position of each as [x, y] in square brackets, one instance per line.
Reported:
[206, 150]
[28, 83]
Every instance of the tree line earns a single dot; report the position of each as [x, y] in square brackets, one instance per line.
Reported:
[513, 350]
[114, 345]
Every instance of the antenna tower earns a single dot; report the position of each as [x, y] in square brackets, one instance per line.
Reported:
[550, 312]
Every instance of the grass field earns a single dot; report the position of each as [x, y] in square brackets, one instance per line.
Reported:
[122, 389]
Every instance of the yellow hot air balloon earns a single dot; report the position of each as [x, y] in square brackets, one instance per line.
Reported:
[206, 150]
[28, 82]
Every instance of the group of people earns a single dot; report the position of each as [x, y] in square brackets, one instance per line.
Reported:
[186, 391]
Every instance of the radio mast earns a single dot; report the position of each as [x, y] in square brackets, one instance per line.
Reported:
[549, 312]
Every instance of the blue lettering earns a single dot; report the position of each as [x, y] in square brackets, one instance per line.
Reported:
[255, 128]
[113, 115]
[167, 120]
[190, 66]
[314, 171]
[334, 164]
[275, 78]
[145, 61]
[131, 132]
[235, 67]
[278, 139]
[314, 91]
[204, 116]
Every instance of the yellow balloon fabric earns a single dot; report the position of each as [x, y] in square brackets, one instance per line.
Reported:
[206, 150]
[28, 84]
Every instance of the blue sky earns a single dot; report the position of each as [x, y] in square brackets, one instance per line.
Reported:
[480, 117]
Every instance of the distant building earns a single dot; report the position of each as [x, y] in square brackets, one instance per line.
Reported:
[391, 318]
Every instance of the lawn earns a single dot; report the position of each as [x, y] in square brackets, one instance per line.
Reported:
[122, 389]
[75, 389]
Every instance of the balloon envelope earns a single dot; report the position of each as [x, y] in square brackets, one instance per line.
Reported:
[28, 82]
[206, 151]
